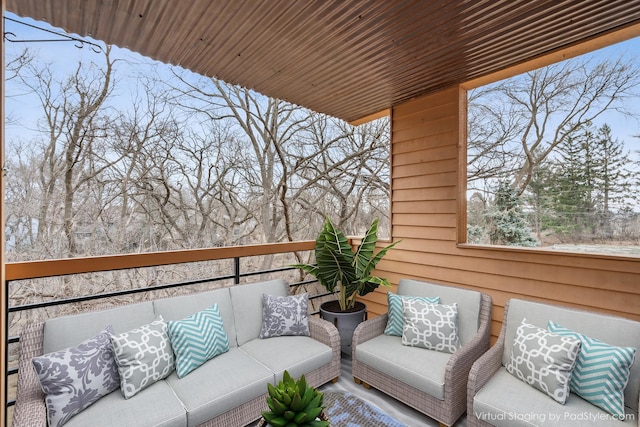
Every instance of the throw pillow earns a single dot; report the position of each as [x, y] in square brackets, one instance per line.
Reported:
[197, 338]
[76, 377]
[543, 360]
[601, 373]
[430, 326]
[395, 319]
[143, 355]
[284, 315]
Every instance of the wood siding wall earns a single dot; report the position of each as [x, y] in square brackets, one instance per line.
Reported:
[427, 177]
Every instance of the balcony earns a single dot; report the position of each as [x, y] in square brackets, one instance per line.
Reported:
[386, 58]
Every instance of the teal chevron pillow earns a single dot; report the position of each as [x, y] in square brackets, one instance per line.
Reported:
[197, 338]
[601, 373]
[395, 319]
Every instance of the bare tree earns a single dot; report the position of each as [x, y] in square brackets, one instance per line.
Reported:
[518, 123]
[73, 122]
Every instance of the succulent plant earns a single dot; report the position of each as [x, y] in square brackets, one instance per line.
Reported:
[294, 403]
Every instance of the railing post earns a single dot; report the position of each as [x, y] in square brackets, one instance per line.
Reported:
[236, 270]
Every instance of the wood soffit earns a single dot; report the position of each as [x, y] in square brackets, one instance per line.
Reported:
[348, 59]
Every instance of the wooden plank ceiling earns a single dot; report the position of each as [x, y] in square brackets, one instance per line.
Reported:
[348, 59]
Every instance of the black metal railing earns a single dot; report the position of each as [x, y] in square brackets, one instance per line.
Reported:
[235, 276]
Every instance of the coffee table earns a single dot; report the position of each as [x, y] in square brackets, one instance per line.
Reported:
[348, 410]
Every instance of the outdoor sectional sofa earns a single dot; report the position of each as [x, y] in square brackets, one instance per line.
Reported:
[227, 390]
[497, 397]
[433, 382]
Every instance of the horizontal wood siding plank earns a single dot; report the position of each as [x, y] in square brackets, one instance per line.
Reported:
[432, 128]
[416, 194]
[427, 155]
[424, 181]
[437, 220]
[430, 206]
[421, 117]
[408, 146]
[430, 233]
[431, 168]
[425, 103]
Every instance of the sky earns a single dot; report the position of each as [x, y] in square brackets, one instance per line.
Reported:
[64, 57]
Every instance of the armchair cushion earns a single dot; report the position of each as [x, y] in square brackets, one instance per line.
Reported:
[430, 326]
[602, 371]
[419, 368]
[395, 320]
[506, 401]
[544, 360]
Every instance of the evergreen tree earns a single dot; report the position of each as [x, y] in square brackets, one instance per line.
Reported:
[613, 183]
[507, 220]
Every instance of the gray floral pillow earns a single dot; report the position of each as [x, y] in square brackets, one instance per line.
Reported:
[144, 356]
[74, 378]
[284, 315]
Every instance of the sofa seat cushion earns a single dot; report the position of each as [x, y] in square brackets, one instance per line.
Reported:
[220, 384]
[507, 401]
[157, 405]
[418, 367]
[296, 354]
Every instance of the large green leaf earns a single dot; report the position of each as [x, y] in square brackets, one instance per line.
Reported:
[334, 257]
[365, 250]
[369, 284]
[365, 261]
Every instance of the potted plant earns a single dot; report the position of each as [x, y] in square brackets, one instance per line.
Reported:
[294, 403]
[348, 274]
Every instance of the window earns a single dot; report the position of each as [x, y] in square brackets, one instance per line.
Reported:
[553, 156]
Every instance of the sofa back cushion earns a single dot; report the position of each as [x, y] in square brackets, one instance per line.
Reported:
[178, 308]
[68, 331]
[609, 329]
[247, 306]
[469, 303]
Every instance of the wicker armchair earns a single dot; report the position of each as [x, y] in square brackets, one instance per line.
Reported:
[473, 306]
[495, 397]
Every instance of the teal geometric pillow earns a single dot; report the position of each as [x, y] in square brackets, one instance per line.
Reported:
[601, 372]
[197, 338]
[395, 319]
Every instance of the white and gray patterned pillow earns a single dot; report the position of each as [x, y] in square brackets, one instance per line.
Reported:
[76, 377]
[544, 360]
[144, 356]
[430, 326]
[284, 315]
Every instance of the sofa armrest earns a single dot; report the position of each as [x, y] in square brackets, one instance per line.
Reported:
[325, 332]
[487, 365]
[30, 409]
[369, 329]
